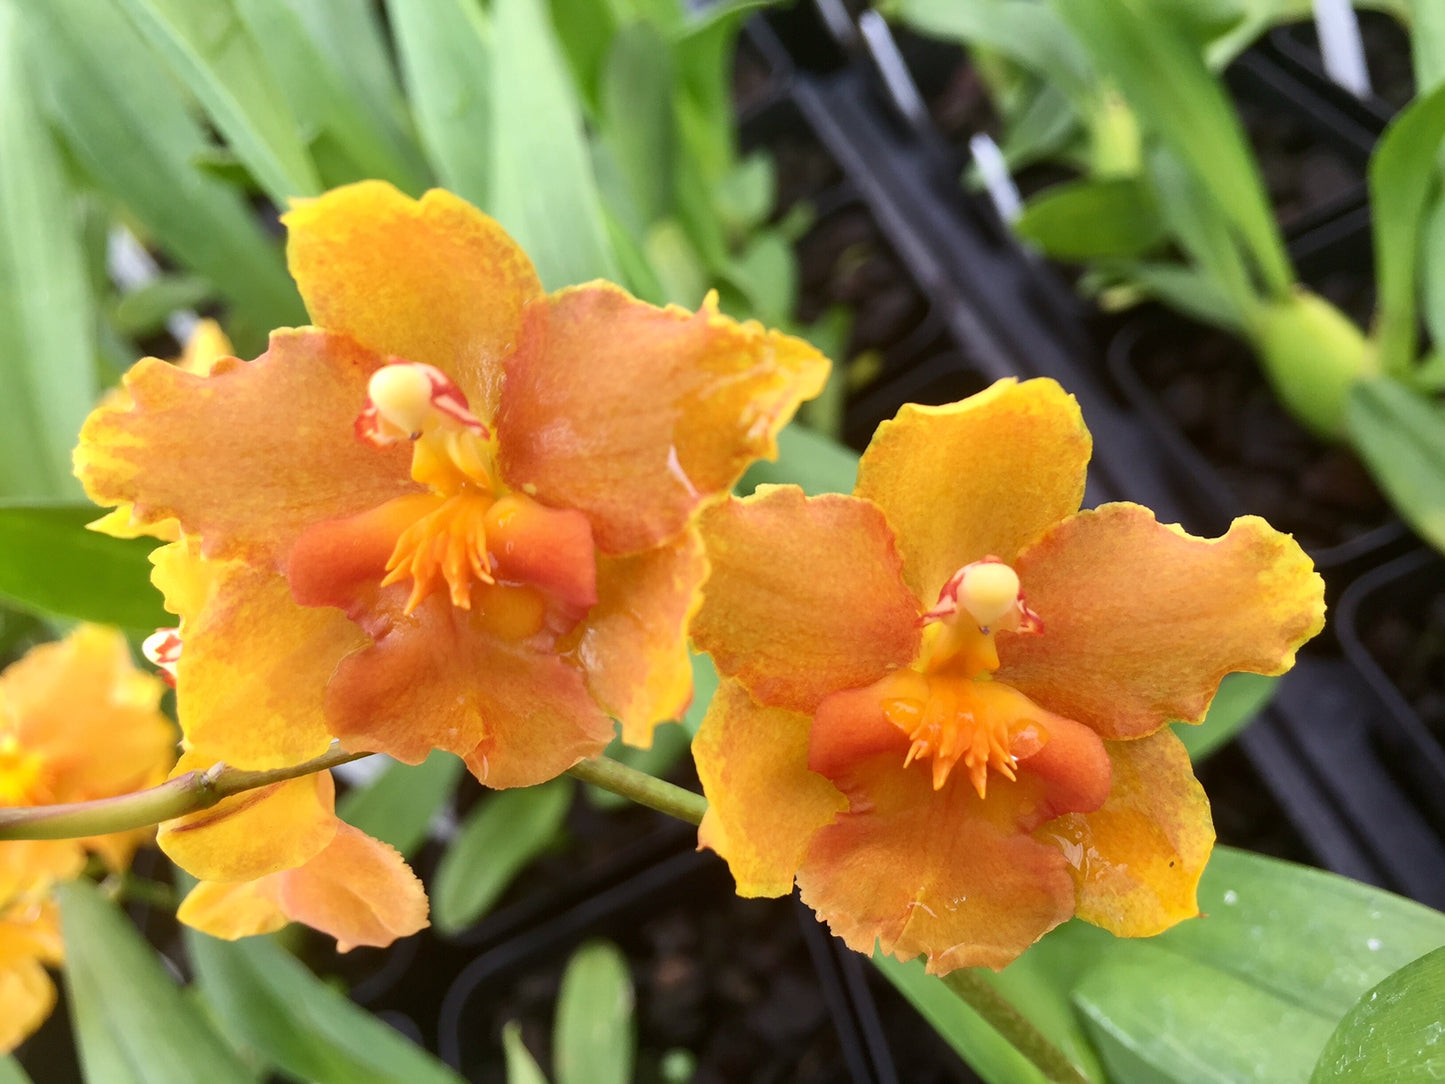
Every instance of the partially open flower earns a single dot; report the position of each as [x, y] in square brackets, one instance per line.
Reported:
[459, 514]
[78, 722]
[958, 783]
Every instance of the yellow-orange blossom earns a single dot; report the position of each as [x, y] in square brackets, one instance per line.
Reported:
[457, 514]
[78, 722]
[951, 729]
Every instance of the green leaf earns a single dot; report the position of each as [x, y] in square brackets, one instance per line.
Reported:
[1403, 172]
[50, 564]
[1206, 1026]
[132, 133]
[1184, 289]
[1240, 698]
[1243, 993]
[11, 1072]
[744, 195]
[522, 1068]
[766, 273]
[132, 1023]
[1202, 230]
[1248, 988]
[584, 30]
[143, 312]
[1427, 42]
[1400, 435]
[328, 104]
[506, 831]
[446, 57]
[1162, 75]
[1089, 219]
[679, 269]
[272, 1004]
[1022, 30]
[47, 348]
[544, 191]
[397, 806]
[806, 459]
[212, 52]
[594, 1040]
[637, 123]
[1393, 1033]
[1432, 279]
[704, 49]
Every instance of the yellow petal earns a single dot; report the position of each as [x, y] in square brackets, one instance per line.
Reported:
[249, 456]
[1137, 860]
[26, 998]
[358, 890]
[637, 415]
[254, 665]
[805, 596]
[30, 865]
[233, 910]
[983, 477]
[93, 717]
[431, 280]
[634, 642]
[764, 805]
[1141, 621]
[253, 833]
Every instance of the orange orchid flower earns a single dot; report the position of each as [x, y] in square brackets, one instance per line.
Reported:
[945, 697]
[78, 722]
[279, 853]
[457, 514]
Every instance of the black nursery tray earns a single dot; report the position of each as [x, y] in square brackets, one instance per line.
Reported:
[1392, 625]
[1387, 55]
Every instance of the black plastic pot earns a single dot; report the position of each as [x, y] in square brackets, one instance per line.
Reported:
[1337, 514]
[1392, 625]
[1387, 52]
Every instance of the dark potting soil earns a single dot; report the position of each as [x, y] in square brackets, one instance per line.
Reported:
[1302, 173]
[1407, 640]
[845, 260]
[754, 79]
[1207, 383]
[728, 980]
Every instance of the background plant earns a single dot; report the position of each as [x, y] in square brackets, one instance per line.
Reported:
[1170, 205]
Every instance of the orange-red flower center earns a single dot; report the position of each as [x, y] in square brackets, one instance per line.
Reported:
[948, 703]
[496, 553]
[445, 542]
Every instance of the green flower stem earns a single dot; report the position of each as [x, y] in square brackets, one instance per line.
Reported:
[981, 996]
[641, 788]
[176, 797]
[202, 789]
